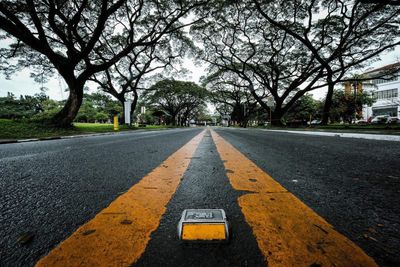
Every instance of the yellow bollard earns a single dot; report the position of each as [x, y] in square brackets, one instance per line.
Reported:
[116, 127]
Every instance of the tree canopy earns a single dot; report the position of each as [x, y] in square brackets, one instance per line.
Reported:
[81, 38]
[286, 49]
[341, 35]
[179, 99]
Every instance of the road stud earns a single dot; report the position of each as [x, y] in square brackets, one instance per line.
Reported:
[204, 225]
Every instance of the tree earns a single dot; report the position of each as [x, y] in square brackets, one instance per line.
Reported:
[201, 115]
[230, 96]
[269, 61]
[81, 38]
[349, 35]
[345, 107]
[303, 109]
[130, 73]
[177, 98]
[87, 112]
[95, 105]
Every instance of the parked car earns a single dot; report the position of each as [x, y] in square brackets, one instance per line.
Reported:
[393, 120]
[315, 122]
[381, 119]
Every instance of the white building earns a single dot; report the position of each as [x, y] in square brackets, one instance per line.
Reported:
[386, 90]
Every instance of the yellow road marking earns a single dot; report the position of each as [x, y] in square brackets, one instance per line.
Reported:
[203, 231]
[119, 234]
[288, 232]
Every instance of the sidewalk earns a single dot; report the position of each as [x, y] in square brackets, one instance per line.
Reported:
[369, 136]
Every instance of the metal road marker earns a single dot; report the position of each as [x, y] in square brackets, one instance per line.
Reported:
[209, 225]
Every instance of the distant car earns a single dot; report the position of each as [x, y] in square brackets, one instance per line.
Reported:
[315, 122]
[381, 119]
[393, 120]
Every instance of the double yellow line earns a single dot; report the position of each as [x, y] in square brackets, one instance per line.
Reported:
[287, 231]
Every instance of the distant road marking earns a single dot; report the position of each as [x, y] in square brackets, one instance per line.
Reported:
[288, 232]
[119, 234]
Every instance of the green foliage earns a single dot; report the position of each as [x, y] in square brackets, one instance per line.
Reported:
[345, 106]
[98, 107]
[24, 107]
[176, 99]
[303, 109]
[39, 108]
[204, 117]
[104, 103]
[87, 112]
[50, 108]
[174, 92]
[147, 118]
[101, 117]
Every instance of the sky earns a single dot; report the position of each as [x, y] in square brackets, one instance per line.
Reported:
[21, 83]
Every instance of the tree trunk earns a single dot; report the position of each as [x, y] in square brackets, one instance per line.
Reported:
[173, 120]
[328, 104]
[277, 115]
[184, 120]
[134, 102]
[67, 114]
[121, 99]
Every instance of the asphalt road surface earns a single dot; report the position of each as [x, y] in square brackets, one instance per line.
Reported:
[116, 200]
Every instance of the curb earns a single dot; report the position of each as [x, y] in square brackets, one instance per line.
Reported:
[8, 141]
[13, 141]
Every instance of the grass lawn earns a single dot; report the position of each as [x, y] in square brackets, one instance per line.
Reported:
[10, 129]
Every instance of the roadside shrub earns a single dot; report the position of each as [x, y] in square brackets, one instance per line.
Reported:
[101, 117]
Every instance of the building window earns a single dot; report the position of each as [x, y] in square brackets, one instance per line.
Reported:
[386, 94]
[384, 111]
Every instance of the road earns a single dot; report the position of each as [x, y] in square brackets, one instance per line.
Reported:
[116, 200]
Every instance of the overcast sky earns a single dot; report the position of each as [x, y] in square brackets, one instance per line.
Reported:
[22, 84]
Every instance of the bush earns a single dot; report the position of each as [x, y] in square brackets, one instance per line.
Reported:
[50, 109]
[20, 108]
[101, 117]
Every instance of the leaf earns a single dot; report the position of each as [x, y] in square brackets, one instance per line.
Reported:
[25, 238]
